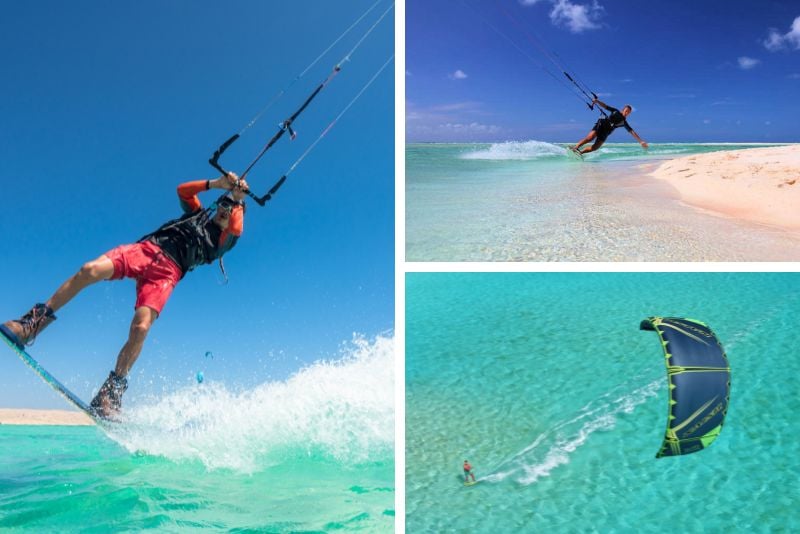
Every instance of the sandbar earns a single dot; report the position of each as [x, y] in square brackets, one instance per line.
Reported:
[757, 185]
[43, 417]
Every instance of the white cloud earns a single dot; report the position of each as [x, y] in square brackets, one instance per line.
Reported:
[458, 106]
[774, 40]
[706, 121]
[576, 17]
[449, 112]
[458, 75]
[472, 127]
[456, 121]
[747, 63]
[777, 41]
[452, 131]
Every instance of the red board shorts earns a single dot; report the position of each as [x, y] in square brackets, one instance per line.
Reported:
[155, 272]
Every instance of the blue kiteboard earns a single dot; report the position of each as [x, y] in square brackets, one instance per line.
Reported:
[49, 379]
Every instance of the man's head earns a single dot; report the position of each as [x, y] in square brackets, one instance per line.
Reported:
[627, 110]
[225, 205]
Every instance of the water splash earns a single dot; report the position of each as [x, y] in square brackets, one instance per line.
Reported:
[341, 411]
[517, 150]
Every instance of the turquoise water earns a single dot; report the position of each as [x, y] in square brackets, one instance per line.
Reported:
[312, 454]
[545, 384]
[530, 201]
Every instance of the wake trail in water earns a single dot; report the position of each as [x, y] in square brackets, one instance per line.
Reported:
[553, 447]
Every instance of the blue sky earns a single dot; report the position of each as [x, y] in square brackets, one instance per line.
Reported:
[107, 107]
[694, 71]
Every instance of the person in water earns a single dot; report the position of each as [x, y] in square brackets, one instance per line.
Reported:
[468, 472]
[605, 126]
[158, 261]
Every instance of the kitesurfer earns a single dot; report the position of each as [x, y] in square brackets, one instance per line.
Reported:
[605, 126]
[468, 472]
[158, 261]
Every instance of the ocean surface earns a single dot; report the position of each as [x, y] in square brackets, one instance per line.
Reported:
[531, 201]
[544, 382]
[314, 453]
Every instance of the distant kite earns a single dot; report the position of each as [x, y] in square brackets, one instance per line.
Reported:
[699, 380]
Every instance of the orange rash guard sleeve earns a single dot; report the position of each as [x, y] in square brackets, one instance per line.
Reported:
[187, 193]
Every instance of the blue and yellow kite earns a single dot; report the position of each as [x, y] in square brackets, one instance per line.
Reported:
[699, 378]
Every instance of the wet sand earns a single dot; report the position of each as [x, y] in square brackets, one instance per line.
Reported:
[43, 417]
[661, 225]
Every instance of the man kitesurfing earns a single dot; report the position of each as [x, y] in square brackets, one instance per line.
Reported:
[468, 472]
[157, 261]
[605, 126]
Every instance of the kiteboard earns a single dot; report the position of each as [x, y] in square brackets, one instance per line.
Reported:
[574, 153]
[471, 483]
[49, 379]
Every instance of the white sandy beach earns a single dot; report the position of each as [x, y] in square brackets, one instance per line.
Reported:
[760, 185]
[43, 417]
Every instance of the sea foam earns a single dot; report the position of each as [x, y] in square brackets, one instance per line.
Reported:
[517, 150]
[340, 411]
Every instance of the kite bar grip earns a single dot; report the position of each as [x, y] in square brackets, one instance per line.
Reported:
[263, 200]
[214, 161]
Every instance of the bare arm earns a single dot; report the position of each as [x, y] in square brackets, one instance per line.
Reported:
[641, 141]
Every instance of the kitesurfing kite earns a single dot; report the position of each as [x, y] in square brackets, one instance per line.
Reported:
[699, 379]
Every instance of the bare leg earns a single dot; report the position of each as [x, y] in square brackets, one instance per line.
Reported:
[594, 147]
[93, 271]
[143, 319]
[108, 401]
[589, 137]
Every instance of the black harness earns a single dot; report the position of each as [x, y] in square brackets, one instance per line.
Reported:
[192, 239]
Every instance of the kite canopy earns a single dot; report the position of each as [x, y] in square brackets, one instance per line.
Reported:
[699, 380]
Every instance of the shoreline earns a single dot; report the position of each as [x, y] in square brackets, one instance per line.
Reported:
[32, 417]
[752, 185]
[610, 208]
